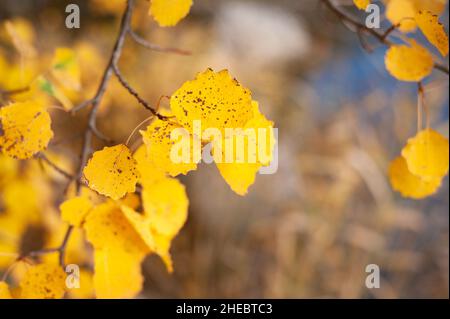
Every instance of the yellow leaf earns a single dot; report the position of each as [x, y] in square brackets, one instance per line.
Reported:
[361, 4]
[43, 281]
[156, 242]
[434, 6]
[214, 98]
[169, 12]
[86, 289]
[159, 144]
[148, 173]
[106, 226]
[427, 155]
[410, 185]
[65, 68]
[117, 273]
[433, 30]
[74, 210]
[409, 63]
[166, 205]
[112, 171]
[119, 251]
[25, 129]
[254, 150]
[42, 85]
[402, 13]
[4, 291]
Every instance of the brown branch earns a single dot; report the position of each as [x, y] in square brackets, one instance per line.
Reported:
[155, 47]
[43, 157]
[360, 27]
[14, 91]
[95, 102]
[133, 92]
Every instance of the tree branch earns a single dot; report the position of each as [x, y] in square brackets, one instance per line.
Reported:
[133, 92]
[151, 46]
[43, 157]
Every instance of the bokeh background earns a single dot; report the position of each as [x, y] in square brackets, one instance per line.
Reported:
[309, 230]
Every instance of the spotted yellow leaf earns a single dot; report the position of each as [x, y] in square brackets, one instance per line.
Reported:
[112, 171]
[433, 30]
[65, 68]
[409, 63]
[43, 281]
[252, 148]
[169, 12]
[74, 210]
[25, 129]
[427, 154]
[214, 98]
[409, 185]
[160, 147]
[361, 4]
[4, 291]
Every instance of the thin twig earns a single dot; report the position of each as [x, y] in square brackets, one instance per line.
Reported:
[58, 169]
[133, 92]
[14, 91]
[155, 47]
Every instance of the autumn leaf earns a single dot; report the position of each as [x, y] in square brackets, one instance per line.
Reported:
[169, 12]
[409, 185]
[214, 98]
[410, 63]
[65, 68]
[112, 171]
[74, 210]
[433, 30]
[4, 291]
[118, 253]
[25, 129]
[43, 281]
[255, 151]
[427, 154]
[157, 138]
[361, 4]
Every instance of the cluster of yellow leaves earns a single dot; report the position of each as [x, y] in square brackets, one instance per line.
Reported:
[424, 162]
[219, 101]
[412, 62]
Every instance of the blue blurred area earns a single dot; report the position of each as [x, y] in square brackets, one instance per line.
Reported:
[354, 73]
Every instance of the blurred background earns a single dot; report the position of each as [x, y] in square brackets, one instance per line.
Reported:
[309, 230]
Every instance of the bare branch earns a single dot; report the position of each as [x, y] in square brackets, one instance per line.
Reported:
[43, 157]
[133, 92]
[155, 47]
